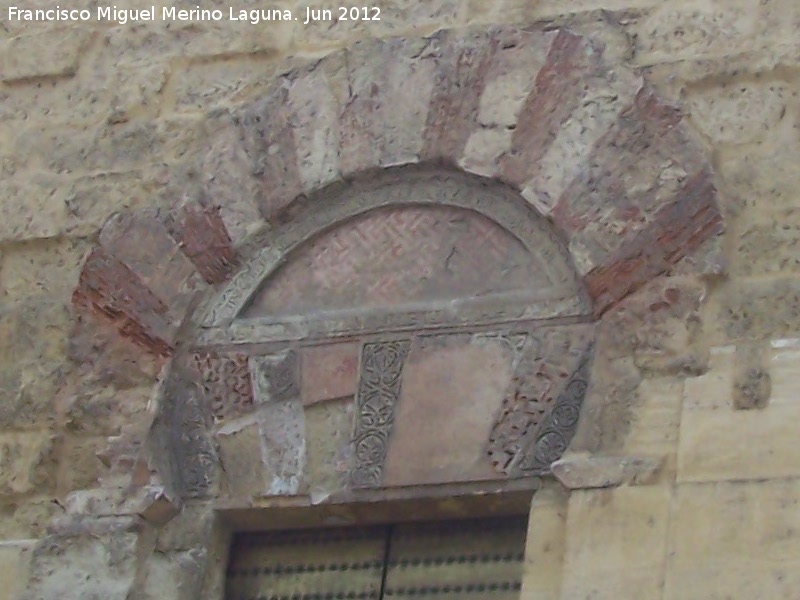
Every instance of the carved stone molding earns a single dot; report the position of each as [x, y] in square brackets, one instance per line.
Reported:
[378, 390]
[181, 437]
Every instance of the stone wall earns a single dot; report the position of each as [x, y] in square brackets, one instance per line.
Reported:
[682, 481]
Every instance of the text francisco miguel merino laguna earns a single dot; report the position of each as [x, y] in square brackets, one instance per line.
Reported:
[171, 13]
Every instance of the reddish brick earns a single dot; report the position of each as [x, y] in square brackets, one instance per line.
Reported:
[560, 87]
[141, 241]
[461, 70]
[111, 289]
[625, 170]
[205, 240]
[677, 230]
[329, 372]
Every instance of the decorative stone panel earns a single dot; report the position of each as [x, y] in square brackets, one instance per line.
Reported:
[542, 405]
[227, 383]
[378, 390]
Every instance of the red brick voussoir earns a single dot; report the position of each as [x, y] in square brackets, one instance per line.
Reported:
[678, 229]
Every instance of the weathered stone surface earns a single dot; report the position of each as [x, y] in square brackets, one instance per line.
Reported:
[671, 33]
[785, 383]
[483, 149]
[761, 176]
[739, 111]
[718, 443]
[93, 198]
[32, 208]
[27, 394]
[583, 471]
[676, 230]
[172, 576]
[391, 84]
[228, 176]
[516, 57]
[48, 268]
[137, 43]
[14, 561]
[630, 525]
[79, 466]
[242, 457]
[271, 151]
[83, 568]
[570, 152]
[545, 545]
[329, 372]
[758, 309]
[329, 429]
[461, 67]
[735, 540]
[452, 388]
[34, 331]
[752, 384]
[660, 326]
[191, 528]
[284, 438]
[217, 83]
[609, 405]
[142, 242]
[27, 517]
[655, 421]
[743, 445]
[712, 390]
[25, 462]
[316, 99]
[105, 410]
[152, 503]
[105, 357]
[31, 56]
[769, 245]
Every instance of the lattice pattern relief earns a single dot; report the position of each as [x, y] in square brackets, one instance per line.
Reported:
[399, 256]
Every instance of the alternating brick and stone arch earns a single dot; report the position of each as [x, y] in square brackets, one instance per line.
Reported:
[530, 185]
